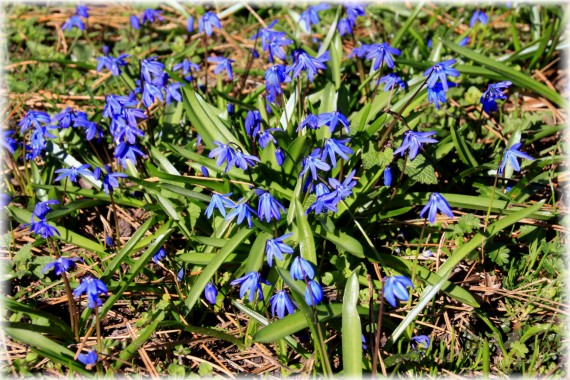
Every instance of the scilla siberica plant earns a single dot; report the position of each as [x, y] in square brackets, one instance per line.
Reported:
[280, 186]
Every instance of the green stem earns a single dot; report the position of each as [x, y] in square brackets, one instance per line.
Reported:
[116, 218]
[395, 119]
[70, 301]
[418, 250]
[376, 353]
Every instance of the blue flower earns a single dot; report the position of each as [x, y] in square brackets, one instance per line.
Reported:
[310, 121]
[61, 265]
[65, 118]
[494, 92]
[161, 254]
[42, 208]
[387, 176]
[382, 53]
[437, 95]
[304, 62]
[344, 27]
[421, 341]
[326, 201]
[242, 211]
[73, 172]
[344, 189]
[92, 287]
[73, 22]
[187, 68]
[279, 156]
[276, 247]
[82, 11]
[440, 71]
[180, 274]
[33, 119]
[224, 153]
[412, 142]
[333, 147]
[173, 92]
[353, 10]
[396, 288]
[266, 137]
[313, 162]
[90, 128]
[464, 41]
[124, 152]
[480, 16]
[149, 16]
[268, 207]
[231, 108]
[190, 24]
[251, 283]
[110, 179]
[151, 69]
[88, 359]
[391, 81]
[311, 15]
[252, 123]
[272, 41]
[223, 64]
[281, 303]
[436, 202]
[109, 241]
[243, 161]
[135, 22]
[219, 201]
[112, 64]
[360, 51]
[301, 269]
[274, 76]
[150, 93]
[43, 229]
[207, 21]
[7, 142]
[331, 119]
[510, 156]
[313, 293]
[210, 292]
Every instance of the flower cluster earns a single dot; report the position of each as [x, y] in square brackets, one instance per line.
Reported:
[112, 64]
[75, 21]
[272, 41]
[41, 226]
[149, 16]
[124, 118]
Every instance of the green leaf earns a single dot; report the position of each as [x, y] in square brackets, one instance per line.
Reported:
[351, 329]
[419, 170]
[54, 321]
[342, 240]
[134, 271]
[128, 248]
[23, 216]
[445, 270]
[255, 257]
[293, 323]
[213, 266]
[404, 28]
[46, 347]
[518, 78]
[304, 234]
[205, 118]
[462, 148]
[142, 337]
